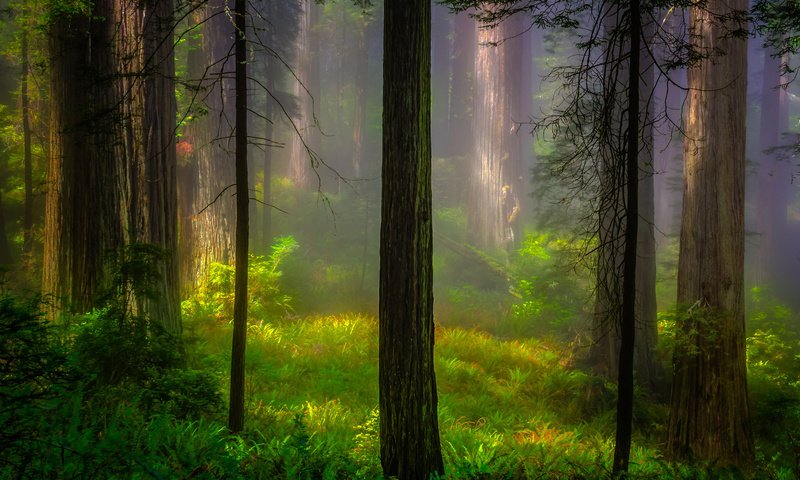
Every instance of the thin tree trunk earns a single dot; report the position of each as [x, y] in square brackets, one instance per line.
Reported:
[5, 249]
[440, 77]
[709, 413]
[622, 450]
[266, 221]
[360, 99]
[774, 181]
[27, 218]
[409, 429]
[460, 103]
[236, 414]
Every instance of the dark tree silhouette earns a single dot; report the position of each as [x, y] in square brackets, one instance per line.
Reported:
[409, 429]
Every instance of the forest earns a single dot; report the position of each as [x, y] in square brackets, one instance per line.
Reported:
[412, 239]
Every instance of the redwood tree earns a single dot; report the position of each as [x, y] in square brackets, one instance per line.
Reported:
[409, 427]
[709, 413]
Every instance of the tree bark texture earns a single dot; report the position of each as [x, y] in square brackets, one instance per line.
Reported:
[82, 212]
[409, 431]
[209, 173]
[112, 163]
[495, 158]
[709, 413]
[156, 171]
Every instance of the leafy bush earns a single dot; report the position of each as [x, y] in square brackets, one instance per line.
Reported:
[551, 287]
[33, 372]
[214, 298]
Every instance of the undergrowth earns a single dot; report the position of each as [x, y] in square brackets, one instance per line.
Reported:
[108, 396]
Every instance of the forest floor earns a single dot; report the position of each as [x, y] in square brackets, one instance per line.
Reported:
[507, 408]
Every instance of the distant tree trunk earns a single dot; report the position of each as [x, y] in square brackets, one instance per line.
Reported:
[212, 207]
[409, 428]
[648, 372]
[305, 86]
[709, 413]
[236, 413]
[441, 27]
[495, 155]
[461, 83]
[774, 181]
[266, 221]
[27, 218]
[360, 98]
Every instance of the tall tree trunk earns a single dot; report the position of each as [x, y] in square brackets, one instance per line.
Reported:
[82, 214]
[774, 181]
[157, 173]
[306, 86]
[648, 372]
[213, 204]
[461, 83]
[27, 218]
[496, 155]
[709, 413]
[622, 450]
[236, 413]
[409, 427]
[441, 26]
[360, 97]
[606, 333]
[266, 221]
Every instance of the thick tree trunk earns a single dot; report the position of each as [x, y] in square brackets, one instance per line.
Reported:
[157, 171]
[82, 214]
[212, 211]
[709, 413]
[495, 159]
[409, 427]
[236, 413]
[112, 163]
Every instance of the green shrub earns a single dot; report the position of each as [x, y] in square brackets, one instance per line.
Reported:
[266, 300]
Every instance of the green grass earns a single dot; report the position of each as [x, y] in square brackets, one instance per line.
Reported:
[507, 409]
